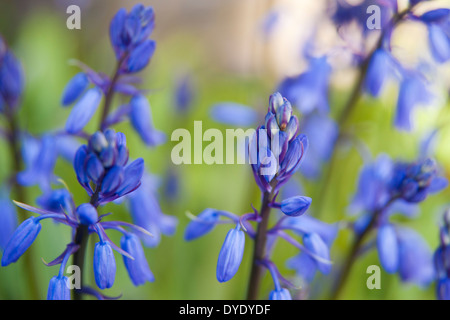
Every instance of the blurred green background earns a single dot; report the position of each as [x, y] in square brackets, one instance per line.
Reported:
[220, 45]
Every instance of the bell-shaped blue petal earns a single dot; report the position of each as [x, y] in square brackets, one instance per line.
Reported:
[140, 56]
[138, 269]
[83, 110]
[314, 243]
[380, 68]
[8, 221]
[104, 265]
[132, 177]
[282, 294]
[205, 222]
[58, 289]
[115, 31]
[112, 180]
[230, 255]
[436, 15]
[87, 214]
[94, 168]
[21, 240]
[75, 88]
[388, 248]
[304, 266]
[11, 79]
[439, 43]
[416, 259]
[234, 114]
[141, 119]
[295, 206]
[294, 155]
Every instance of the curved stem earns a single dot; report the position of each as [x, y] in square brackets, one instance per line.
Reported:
[355, 249]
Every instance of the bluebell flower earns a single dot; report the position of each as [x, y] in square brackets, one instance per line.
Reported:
[21, 240]
[141, 120]
[59, 200]
[437, 22]
[11, 77]
[129, 33]
[235, 114]
[309, 90]
[204, 223]
[138, 269]
[441, 260]
[58, 288]
[282, 294]
[87, 214]
[8, 219]
[184, 93]
[74, 88]
[146, 213]
[39, 156]
[230, 255]
[83, 110]
[295, 206]
[322, 132]
[413, 92]
[104, 265]
[314, 243]
[381, 67]
[388, 248]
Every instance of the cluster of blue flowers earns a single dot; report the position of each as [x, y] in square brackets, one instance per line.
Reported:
[385, 188]
[102, 165]
[276, 152]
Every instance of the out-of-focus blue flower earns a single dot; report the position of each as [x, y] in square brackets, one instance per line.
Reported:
[295, 206]
[441, 260]
[413, 92]
[83, 110]
[234, 114]
[314, 243]
[322, 132]
[141, 120]
[104, 265]
[387, 245]
[8, 219]
[129, 33]
[11, 77]
[146, 213]
[205, 222]
[74, 88]
[381, 67]
[39, 156]
[443, 289]
[230, 255]
[184, 93]
[21, 240]
[138, 269]
[438, 22]
[58, 288]
[59, 200]
[309, 90]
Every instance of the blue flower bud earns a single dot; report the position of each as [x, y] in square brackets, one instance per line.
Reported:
[11, 79]
[94, 168]
[140, 56]
[141, 120]
[112, 180]
[58, 289]
[275, 101]
[284, 114]
[282, 294]
[8, 219]
[122, 155]
[111, 136]
[79, 165]
[104, 265]
[271, 124]
[380, 67]
[204, 223]
[292, 128]
[108, 156]
[21, 240]
[138, 269]
[295, 206]
[314, 243]
[98, 142]
[132, 177]
[230, 255]
[387, 245]
[87, 213]
[295, 152]
[83, 110]
[74, 88]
